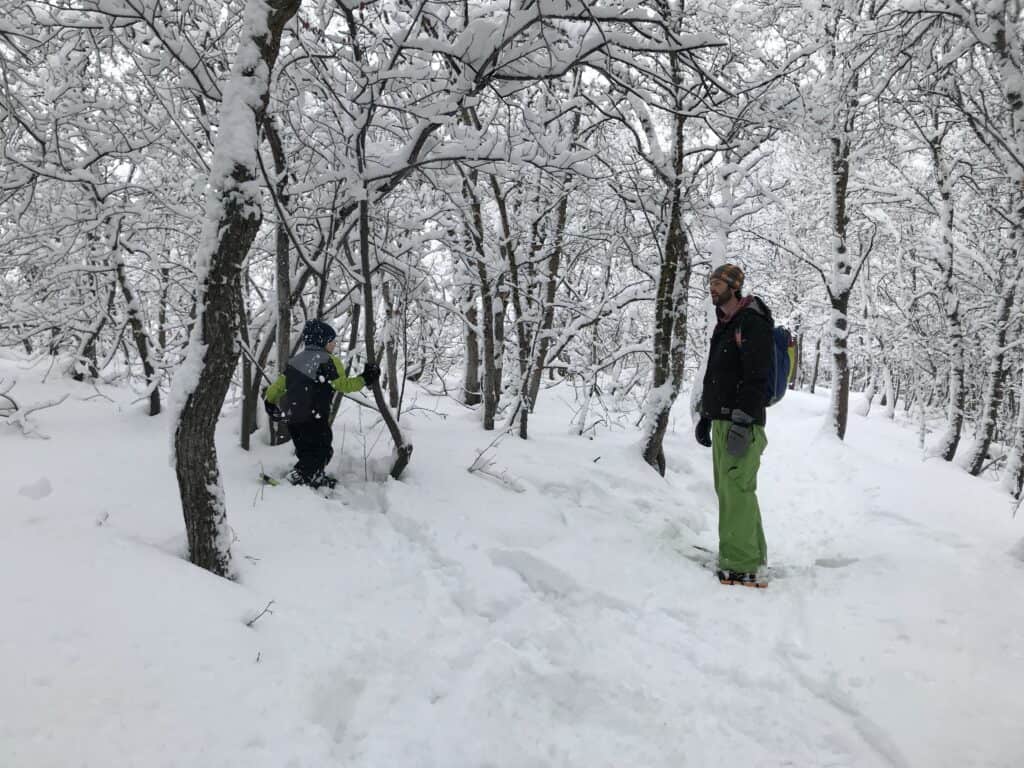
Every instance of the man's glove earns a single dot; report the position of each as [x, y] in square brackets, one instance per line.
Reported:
[741, 433]
[371, 373]
[703, 431]
[273, 412]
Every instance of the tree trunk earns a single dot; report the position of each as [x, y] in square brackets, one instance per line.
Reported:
[840, 396]
[138, 331]
[487, 310]
[250, 383]
[475, 229]
[353, 335]
[841, 283]
[994, 382]
[86, 357]
[232, 221]
[403, 449]
[796, 378]
[669, 336]
[550, 290]
[890, 393]
[390, 348]
[871, 391]
[523, 335]
[500, 310]
[670, 307]
[955, 419]
[282, 269]
[1014, 481]
[544, 333]
[817, 364]
[161, 318]
[471, 380]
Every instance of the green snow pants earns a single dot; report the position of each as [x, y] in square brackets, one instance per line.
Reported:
[741, 544]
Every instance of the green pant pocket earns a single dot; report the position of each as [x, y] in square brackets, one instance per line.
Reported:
[742, 476]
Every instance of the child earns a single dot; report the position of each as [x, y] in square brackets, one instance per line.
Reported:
[303, 394]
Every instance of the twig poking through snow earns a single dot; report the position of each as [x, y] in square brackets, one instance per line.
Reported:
[484, 466]
[258, 616]
[98, 393]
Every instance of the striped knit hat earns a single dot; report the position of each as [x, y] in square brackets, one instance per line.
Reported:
[729, 274]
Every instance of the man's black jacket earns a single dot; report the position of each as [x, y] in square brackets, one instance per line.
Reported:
[739, 363]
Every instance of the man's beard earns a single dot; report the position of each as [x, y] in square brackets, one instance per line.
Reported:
[722, 298]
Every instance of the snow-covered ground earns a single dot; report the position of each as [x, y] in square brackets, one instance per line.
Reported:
[454, 620]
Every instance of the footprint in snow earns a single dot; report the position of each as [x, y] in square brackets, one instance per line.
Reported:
[40, 489]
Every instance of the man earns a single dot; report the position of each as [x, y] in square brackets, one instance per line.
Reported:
[303, 395]
[732, 419]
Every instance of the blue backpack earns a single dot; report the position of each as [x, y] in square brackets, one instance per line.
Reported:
[783, 365]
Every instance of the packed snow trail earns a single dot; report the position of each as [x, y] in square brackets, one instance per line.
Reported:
[552, 620]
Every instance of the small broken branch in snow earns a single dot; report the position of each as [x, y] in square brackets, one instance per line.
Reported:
[480, 461]
[6, 387]
[484, 466]
[19, 417]
[993, 463]
[98, 393]
[258, 616]
[502, 477]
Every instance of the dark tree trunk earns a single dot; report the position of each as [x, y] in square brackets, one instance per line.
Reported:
[669, 335]
[842, 281]
[197, 465]
[951, 302]
[161, 317]
[138, 333]
[471, 383]
[523, 335]
[798, 360]
[840, 365]
[282, 270]
[550, 291]
[500, 310]
[213, 353]
[353, 333]
[817, 364]
[87, 350]
[250, 383]
[995, 381]
[475, 228]
[390, 348]
[544, 333]
[670, 306]
[1015, 471]
[487, 329]
[402, 448]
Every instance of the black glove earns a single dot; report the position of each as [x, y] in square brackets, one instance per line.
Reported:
[741, 434]
[371, 373]
[703, 431]
[273, 412]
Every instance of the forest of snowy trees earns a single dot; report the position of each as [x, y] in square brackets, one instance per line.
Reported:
[489, 198]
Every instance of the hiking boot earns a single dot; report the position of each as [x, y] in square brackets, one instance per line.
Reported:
[321, 479]
[740, 578]
[296, 478]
